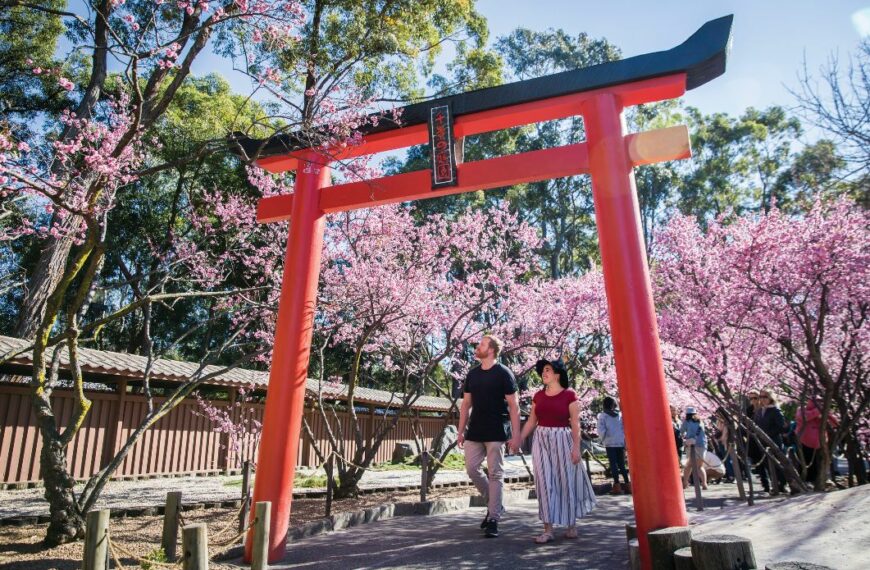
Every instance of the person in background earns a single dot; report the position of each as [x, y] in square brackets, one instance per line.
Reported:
[714, 469]
[564, 490]
[770, 419]
[694, 437]
[722, 443]
[809, 425]
[612, 435]
[678, 437]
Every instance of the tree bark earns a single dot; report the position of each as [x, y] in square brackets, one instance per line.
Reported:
[67, 523]
[48, 273]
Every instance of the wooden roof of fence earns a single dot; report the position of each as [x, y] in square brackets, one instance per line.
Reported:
[104, 365]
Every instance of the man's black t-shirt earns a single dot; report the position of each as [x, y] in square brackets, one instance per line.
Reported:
[489, 410]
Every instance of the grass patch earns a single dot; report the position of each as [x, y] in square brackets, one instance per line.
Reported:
[301, 481]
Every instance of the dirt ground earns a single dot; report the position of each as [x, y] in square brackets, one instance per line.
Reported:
[21, 548]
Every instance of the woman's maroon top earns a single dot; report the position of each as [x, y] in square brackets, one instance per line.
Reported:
[552, 411]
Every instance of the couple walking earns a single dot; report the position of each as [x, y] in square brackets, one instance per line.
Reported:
[489, 404]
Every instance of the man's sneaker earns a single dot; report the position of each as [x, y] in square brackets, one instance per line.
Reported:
[485, 521]
[491, 529]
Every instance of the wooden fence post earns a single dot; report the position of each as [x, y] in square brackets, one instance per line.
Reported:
[244, 514]
[696, 479]
[424, 475]
[630, 531]
[722, 552]
[169, 539]
[738, 472]
[773, 476]
[329, 484]
[96, 556]
[260, 551]
[194, 543]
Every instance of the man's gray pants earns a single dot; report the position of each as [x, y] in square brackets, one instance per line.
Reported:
[491, 486]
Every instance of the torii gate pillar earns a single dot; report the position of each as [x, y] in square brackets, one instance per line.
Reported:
[656, 484]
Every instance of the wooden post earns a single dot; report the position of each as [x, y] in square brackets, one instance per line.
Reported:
[329, 484]
[738, 472]
[96, 556]
[586, 460]
[774, 478]
[683, 559]
[424, 475]
[722, 552]
[260, 552]
[169, 539]
[634, 554]
[194, 543]
[664, 542]
[696, 480]
[245, 513]
[630, 531]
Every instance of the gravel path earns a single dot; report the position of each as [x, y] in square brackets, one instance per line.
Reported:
[152, 492]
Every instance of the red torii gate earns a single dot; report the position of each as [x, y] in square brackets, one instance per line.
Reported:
[599, 94]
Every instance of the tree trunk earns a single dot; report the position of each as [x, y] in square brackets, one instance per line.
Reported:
[67, 523]
[48, 272]
[349, 483]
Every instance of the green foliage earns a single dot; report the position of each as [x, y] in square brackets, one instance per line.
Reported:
[157, 555]
[380, 46]
[737, 161]
[22, 92]
[309, 481]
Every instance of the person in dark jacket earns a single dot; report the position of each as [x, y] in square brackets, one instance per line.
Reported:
[770, 419]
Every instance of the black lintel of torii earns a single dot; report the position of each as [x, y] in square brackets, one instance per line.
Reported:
[702, 58]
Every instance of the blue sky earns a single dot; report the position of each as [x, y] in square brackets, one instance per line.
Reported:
[771, 37]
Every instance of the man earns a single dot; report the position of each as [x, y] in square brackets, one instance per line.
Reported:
[489, 398]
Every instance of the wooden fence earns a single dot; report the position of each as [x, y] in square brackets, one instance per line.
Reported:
[182, 442]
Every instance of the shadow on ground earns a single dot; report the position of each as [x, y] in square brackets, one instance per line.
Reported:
[456, 541]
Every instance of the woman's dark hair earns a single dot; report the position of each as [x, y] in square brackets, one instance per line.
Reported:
[609, 403]
[564, 382]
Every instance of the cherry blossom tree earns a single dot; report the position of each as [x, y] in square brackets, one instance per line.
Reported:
[127, 62]
[408, 299]
[776, 302]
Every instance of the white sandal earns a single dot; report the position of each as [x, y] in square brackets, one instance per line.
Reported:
[544, 538]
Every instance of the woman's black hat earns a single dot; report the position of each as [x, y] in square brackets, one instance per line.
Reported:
[558, 368]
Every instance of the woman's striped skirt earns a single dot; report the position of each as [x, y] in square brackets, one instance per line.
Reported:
[564, 490]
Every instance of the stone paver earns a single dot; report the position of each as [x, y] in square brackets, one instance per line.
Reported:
[456, 541]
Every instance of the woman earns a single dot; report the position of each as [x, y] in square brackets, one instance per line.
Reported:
[612, 436]
[563, 488]
[693, 435]
[809, 427]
